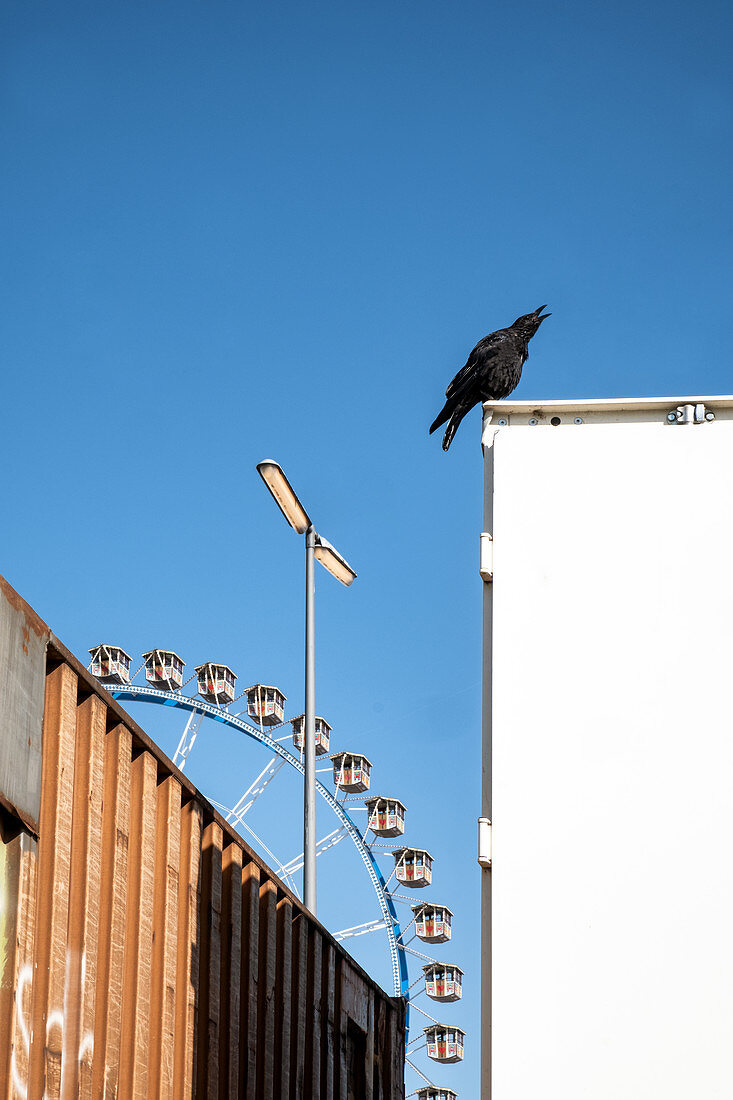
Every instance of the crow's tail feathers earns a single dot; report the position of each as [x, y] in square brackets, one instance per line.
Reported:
[441, 417]
[452, 428]
[456, 414]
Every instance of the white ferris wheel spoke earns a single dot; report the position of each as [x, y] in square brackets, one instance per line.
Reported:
[360, 929]
[187, 740]
[400, 897]
[417, 954]
[417, 1007]
[405, 930]
[417, 982]
[420, 1074]
[281, 870]
[255, 789]
[322, 846]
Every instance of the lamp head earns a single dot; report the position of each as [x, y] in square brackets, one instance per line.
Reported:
[331, 560]
[284, 495]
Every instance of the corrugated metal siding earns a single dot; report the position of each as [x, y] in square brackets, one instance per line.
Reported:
[146, 952]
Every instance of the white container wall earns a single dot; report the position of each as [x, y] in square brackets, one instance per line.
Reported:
[611, 701]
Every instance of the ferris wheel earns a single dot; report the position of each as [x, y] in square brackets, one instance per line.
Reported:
[260, 715]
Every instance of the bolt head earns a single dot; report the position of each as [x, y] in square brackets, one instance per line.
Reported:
[533, 420]
[671, 417]
[710, 416]
[578, 420]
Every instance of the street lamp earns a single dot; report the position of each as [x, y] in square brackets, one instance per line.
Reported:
[287, 501]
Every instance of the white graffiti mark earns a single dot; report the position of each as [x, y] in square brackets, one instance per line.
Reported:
[55, 1020]
[25, 977]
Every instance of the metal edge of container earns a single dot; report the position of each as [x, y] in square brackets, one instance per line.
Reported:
[603, 410]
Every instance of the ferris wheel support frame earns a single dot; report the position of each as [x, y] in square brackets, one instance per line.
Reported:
[400, 975]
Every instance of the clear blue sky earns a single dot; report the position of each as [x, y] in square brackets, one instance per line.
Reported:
[235, 231]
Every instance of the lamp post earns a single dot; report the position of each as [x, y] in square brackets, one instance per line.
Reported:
[316, 548]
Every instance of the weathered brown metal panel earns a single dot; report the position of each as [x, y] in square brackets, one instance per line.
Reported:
[85, 879]
[17, 914]
[9, 889]
[187, 959]
[207, 1066]
[165, 931]
[133, 1079]
[266, 991]
[112, 912]
[145, 950]
[343, 1033]
[250, 978]
[328, 1021]
[384, 1059]
[231, 965]
[313, 1016]
[370, 1090]
[25, 955]
[299, 992]
[283, 998]
[54, 864]
[354, 1004]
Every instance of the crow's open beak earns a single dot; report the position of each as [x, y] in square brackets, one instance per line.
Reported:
[539, 310]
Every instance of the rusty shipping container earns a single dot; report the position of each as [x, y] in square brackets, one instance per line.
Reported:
[145, 950]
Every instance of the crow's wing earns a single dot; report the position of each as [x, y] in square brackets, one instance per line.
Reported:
[484, 351]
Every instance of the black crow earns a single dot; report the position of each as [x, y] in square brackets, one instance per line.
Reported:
[492, 371]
